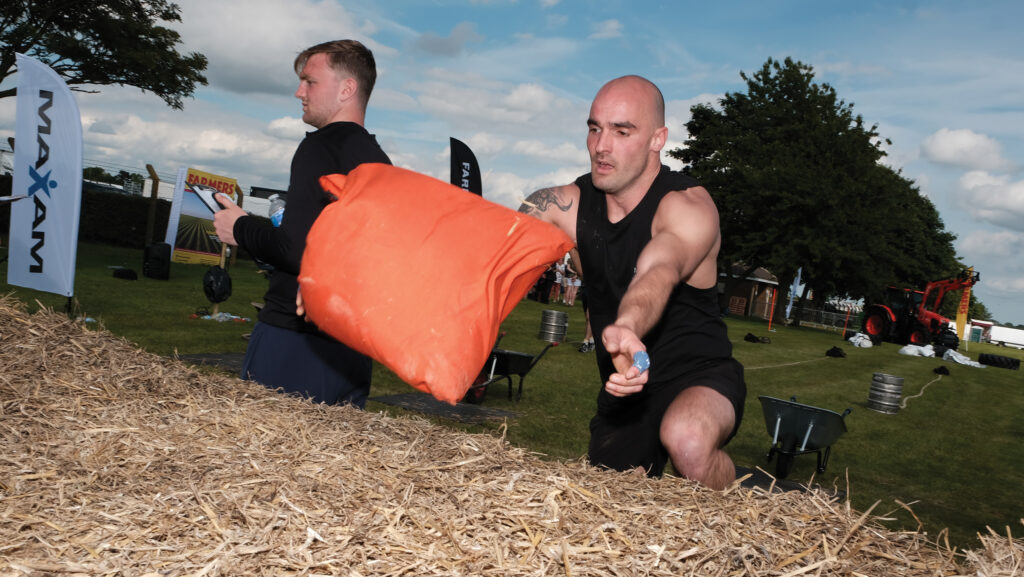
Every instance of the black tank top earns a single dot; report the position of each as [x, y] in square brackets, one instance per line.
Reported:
[691, 333]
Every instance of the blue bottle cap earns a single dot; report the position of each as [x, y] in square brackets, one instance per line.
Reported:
[641, 361]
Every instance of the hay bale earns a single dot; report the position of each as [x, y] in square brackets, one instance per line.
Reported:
[114, 461]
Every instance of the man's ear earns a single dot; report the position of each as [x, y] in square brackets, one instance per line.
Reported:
[659, 139]
[349, 87]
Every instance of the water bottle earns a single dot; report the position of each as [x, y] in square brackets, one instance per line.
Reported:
[276, 209]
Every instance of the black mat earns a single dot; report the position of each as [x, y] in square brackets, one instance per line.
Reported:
[231, 362]
[462, 412]
[761, 479]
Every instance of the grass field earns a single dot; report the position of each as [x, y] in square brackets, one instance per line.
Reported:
[954, 455]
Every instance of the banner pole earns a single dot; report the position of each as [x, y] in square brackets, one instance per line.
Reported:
[153, 196]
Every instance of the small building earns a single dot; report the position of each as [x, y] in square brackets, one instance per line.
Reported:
[980, 331]
[751, 296]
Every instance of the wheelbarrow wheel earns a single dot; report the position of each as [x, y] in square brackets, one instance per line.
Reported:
[783, 465]
[477, 391]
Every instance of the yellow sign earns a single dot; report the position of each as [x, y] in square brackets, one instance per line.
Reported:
[961, 313]
[196, 240]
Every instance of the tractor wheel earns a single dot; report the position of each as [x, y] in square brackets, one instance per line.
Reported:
[999, 361]
[876, 323]
[948, 339]
[919, 336]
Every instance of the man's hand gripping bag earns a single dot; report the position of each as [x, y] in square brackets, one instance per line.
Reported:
[419, 274]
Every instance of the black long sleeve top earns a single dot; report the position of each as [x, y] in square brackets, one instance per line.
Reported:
[334, 149]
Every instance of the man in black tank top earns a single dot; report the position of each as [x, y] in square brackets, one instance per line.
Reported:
[647, 242]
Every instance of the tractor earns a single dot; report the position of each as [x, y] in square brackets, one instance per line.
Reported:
[911, 316]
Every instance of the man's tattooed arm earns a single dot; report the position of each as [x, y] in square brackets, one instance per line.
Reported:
[538, 202]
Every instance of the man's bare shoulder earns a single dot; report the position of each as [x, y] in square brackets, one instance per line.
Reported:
[694, 197]
[686, 208]
[551, 203]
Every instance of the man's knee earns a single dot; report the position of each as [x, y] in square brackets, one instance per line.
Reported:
[688, 441]
[697, 423]
[696, 454]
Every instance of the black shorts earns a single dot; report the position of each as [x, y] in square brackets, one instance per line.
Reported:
[626, 431]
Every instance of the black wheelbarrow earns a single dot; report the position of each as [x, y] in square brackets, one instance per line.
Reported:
[798, 429]
[503, 364]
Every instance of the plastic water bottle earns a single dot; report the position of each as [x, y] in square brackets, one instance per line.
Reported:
[276, 209]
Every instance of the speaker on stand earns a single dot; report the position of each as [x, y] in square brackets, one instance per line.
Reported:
[156, 261]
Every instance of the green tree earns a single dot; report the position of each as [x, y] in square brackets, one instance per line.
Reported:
[97, 174]
[797, 179]
[909, 243]
[101, 42]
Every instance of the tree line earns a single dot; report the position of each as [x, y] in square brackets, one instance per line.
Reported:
[800, 182]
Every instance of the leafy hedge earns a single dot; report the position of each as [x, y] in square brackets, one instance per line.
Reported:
[106, 217]
[110, 218]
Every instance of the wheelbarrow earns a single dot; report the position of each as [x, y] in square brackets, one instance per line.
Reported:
[798, 429]
[503, 364]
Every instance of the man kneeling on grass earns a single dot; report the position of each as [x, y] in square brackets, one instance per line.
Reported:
[648, 240]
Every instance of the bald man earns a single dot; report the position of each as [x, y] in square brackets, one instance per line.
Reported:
[648, 240]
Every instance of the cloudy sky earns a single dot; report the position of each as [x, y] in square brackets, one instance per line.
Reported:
[944, 80]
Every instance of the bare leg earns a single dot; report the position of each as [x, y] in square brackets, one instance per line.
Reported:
[588, 336]
[693, 429]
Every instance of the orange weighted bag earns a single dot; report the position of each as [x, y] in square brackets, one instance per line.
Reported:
[418, 274]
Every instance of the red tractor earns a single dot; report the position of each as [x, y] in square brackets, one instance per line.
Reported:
[911, 316]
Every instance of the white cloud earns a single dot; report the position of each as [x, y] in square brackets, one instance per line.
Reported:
[548, 3]
[391, 99]
[467, 103]
[994, 199]
[125, 128]
[509, 189]
[528, 96]
[564, 153]
[848, 69]
[677, 113]
[288, 127]
[485, 144]
[606, 29]
[251, 44]
[452, 45]
[1002, 243]
[965, 149]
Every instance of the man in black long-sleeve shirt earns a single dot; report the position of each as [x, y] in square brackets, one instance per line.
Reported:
[285, 351]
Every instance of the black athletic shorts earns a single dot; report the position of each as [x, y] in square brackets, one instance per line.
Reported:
[626, 431]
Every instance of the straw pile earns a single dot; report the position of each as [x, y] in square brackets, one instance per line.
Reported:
[118, 462]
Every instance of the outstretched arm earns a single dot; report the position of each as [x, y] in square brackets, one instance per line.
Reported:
[683, 248]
